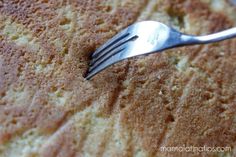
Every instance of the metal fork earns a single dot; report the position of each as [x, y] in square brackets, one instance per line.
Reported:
[143, 38]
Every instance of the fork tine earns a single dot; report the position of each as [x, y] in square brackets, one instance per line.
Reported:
[108, 52]
[111, 41]
[112, 52]
[114, 59]
[109, 48]
[107, 56]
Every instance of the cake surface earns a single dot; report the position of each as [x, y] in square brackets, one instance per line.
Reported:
[181, 97]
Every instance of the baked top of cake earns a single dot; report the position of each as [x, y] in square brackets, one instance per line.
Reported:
[181, 97]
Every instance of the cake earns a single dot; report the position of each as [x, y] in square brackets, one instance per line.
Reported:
[182, 97]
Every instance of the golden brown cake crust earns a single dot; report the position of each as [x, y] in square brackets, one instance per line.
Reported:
[184, 96]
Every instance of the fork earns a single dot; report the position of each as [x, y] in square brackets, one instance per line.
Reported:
[144, 38]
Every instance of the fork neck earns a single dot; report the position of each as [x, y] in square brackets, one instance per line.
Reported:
[223, 35]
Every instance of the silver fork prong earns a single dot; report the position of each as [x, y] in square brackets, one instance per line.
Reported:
[112, 46]
[108, 52]
[110, 42]
[114, 59]
[107, 56]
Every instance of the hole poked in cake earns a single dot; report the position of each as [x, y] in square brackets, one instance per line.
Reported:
[170, 118]
[66, 15]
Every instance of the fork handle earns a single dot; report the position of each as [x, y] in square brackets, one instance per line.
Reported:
[204, 39]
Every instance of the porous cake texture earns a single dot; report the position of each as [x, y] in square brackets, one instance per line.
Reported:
[181, 97]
